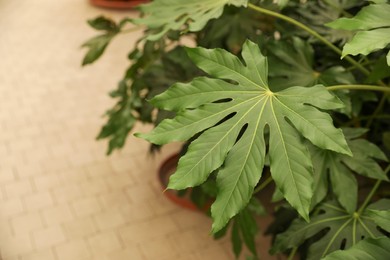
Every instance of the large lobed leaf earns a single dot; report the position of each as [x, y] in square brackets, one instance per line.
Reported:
[334, 229]
[165, 15]
[373, 21]
[367, 249]
[232, 114]
[339, 168]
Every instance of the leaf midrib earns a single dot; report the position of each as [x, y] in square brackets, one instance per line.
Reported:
[227, 133]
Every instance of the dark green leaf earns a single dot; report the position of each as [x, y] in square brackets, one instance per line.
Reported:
[327, 163]
[96, 47]
[338, 229]
[104, 24]
[367, 249]
[236, 239]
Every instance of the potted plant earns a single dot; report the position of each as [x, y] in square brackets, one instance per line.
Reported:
[293, 94]
[118, 4]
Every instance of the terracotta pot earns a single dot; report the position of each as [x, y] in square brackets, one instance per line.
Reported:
[167, 168]
[118, 4]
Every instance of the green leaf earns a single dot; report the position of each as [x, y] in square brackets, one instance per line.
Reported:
[231, 115]
[236, 239]
[104, 24]
[291, 64]
[381, 218]
[373, 21]
[340, 169]
[248, 228]
[333, 227]
[367, 249]
[96, 47]
[165, 15]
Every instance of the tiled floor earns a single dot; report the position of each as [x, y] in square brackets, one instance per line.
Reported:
[60, 196]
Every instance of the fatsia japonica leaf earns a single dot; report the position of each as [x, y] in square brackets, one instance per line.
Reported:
[165, 15]
[367, 249]
[373, 23]
[231, 111]
[339, 168]
[337, 229]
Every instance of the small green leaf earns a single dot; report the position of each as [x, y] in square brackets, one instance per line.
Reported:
[374, 21]
[367, 249]
[96, 47]
[236, 239]
[104, 24]
[165, 15]
[366, 42]
[249, 229]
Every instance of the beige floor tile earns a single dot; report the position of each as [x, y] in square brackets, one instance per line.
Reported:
[80, 227]
[153, 228]
[18, 188]
[39, 255]
[16, 245]
[158, 248]
[49, 237]
[75, 250]
[104, 243]
[25, 223]
[11, 207]
[132, 253]
[86, 206]
[38, 200]
[57, 215]
[110, 219]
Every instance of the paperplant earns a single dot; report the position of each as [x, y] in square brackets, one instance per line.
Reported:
[233, 117]
[268, 98]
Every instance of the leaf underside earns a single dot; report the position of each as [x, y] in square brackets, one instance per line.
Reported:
[165, 15]
[232, 112]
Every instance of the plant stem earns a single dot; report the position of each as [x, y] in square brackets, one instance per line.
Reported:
[292, 253]
[377, 110]
[372, 192]
[263, 185]
[359, 87]
[312, 32]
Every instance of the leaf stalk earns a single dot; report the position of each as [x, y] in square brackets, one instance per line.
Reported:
[372, 192]
[310, 31]
[359, 87]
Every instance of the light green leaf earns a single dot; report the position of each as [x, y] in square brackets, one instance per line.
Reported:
[374, 21]
[339, 229]
[165, 15]
[388, 58]
[231, 116]
[381, 218]
[369, 17]
[367, 249]
[366, 42]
